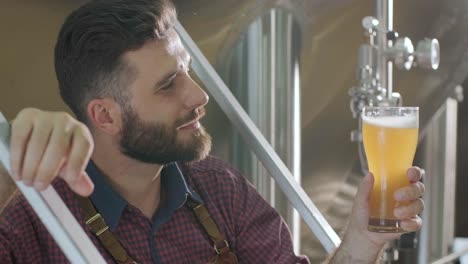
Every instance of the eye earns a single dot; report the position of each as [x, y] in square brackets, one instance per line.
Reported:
[167, 85]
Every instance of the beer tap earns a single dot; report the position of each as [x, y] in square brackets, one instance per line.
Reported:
[383, 48]
[371, 90]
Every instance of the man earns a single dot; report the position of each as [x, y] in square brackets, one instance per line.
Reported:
[141, 153]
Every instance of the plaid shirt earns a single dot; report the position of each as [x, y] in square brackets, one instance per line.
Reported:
[255, 232]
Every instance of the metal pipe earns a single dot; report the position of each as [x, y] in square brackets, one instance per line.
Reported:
[265, 153]
[53, 212]
[285, 107]
[384, 12]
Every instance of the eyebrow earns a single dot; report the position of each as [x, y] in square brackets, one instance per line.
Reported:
[171, 75]
[187, 62]
[167, 77]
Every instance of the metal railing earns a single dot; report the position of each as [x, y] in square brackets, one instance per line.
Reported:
[451, 257]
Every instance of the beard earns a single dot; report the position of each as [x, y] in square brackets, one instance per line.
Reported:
[157, 143]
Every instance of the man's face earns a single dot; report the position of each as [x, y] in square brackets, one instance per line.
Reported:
[160, 121]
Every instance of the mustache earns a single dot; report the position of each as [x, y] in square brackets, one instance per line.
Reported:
[195, 114]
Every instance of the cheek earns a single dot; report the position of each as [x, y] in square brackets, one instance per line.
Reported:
[163, 117]
[153, 111]
[162, 108]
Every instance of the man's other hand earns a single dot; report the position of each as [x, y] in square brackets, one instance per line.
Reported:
[45, 145]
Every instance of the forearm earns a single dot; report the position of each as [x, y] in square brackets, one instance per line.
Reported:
[356, 249]
[343, 255]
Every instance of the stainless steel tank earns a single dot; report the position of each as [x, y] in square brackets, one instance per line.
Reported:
[330, 34]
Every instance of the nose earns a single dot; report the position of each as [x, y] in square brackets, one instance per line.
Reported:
[195, 96]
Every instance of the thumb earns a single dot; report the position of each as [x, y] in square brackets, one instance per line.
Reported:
[364, 190]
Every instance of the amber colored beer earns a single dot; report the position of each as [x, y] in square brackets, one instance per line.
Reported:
[390, 137]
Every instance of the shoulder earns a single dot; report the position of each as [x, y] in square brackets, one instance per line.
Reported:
[212, 174]
[210, 164]
[221, 186]
[223, 189]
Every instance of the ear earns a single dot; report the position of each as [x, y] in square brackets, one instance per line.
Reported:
[106, 115]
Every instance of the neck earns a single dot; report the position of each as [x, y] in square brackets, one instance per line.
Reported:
[137, 182]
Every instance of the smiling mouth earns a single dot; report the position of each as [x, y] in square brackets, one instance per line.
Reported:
[194, 124]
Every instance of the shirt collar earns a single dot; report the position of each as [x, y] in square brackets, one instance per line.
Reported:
[111, 205]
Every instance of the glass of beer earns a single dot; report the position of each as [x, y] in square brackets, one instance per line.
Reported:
[390, 137]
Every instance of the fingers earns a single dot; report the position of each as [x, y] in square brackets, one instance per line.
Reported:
[409, 211]
[35, 149]
[414, 174]
[53, 159]
[22, 128]
[411, 198]
[45, 144]
[409, 193]
[79, 156]
[81, 149]
[81, 185]
[411, 225]
[364, 190]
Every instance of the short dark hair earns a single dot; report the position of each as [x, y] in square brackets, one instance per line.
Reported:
[89, 48]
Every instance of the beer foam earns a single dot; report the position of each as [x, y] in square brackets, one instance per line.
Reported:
[392, 121]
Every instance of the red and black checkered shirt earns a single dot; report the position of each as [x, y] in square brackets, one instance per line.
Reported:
[255, 232]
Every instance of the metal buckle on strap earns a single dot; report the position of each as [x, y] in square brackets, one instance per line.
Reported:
[226, 245]
[97, 224]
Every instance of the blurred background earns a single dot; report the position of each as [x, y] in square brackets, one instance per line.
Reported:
[292, 65]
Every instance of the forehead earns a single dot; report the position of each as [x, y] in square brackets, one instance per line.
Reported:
[173, 45]
[159, 55]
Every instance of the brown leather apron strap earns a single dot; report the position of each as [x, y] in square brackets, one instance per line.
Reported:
[98, 226]
[220, 244]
